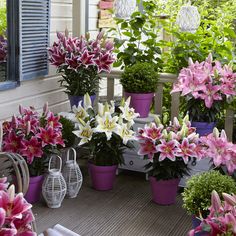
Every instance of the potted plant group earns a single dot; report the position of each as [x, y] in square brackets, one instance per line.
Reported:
[197, 194]
[79, 61]
[207, 87]
[15, 213]
[169, 149]
[221, 219]
[140, 82]
[34, 136]
[105, 133]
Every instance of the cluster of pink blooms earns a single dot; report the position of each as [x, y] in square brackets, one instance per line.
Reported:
[75, 53]
[15, 213]
[220, 150]
[3, 49]
[208, 81]
[169, 142]
[222, 217]
[30, 133]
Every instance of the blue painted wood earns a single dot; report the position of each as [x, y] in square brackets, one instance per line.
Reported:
[34, 38]
[8, 85]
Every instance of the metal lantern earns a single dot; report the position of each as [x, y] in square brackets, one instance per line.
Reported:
[54, 186]
[72, 175]
[188, 18]
[124, 8]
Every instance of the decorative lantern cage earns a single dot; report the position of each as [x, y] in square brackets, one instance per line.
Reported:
[72, 175]
[124, 8]
[54, 186]
[188, 18]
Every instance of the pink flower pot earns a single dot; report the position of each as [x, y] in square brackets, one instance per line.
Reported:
[35, 188]
[103, 177]
[141, 102]
[164, 191]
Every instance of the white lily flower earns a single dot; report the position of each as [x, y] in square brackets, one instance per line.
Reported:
[107, 124]
[128, 113]
[125, 133]
[87, 102]
[85, 132]
[80, 112]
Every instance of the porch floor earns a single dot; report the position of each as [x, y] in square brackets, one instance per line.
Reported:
[127, 210]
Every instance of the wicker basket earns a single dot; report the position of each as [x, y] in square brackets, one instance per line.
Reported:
[54, 186]
[72, 174]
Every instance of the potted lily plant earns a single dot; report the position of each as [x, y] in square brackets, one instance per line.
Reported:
[106, 134]
[15, 213]
[221, 219]
[34, 136]
[169, 149]
[207, 88]
[140, 82]
[79, 61]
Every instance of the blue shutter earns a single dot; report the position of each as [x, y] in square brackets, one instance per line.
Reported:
[34, 38]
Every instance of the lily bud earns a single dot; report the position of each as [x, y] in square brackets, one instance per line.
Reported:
[106, 107]
[186, 119]
[14, 121]
[165, 118]
[184, 130]
[157, 120]
[216, 133]
[190, 61]
[87, 101]
[223, 134]
[11, 192]
[122, 102]
[176, 122]
[1, 135]
[100, 109]
[60, 35]
[66, 32]
[231, 200]
[28, 128]
[81, 121]
[165, 134]
[100, 35]
[127, 102]
[209, 58]
[45, 108]
[215, 201]
[87, 36]
[21, 109]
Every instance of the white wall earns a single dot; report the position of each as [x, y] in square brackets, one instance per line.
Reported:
[37, 92]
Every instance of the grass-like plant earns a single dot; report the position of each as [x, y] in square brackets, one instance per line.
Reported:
[141, 77]
[197, 194]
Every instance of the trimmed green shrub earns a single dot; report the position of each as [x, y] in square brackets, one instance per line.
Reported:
[67, 128]
[141, 77]
[197, 194]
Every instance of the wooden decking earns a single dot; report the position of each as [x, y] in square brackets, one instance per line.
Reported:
[127, 210]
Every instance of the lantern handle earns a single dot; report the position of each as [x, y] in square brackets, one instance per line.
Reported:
[49, 164]
[68, 154]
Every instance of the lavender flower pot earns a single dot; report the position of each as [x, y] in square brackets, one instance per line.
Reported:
[74, 100]
[141, 102]
[164, 191]
[35, 188]
[102, 177]
[203, 128]
[195, 223]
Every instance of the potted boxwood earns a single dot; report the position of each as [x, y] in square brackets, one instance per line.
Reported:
[140, 82]
[197, 194]
[169, 149]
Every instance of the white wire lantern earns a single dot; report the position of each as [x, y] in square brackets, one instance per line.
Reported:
[72, 175]
[124, 8]
[188, 18]
[54, 186]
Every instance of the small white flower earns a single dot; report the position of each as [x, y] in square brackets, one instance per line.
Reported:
[85, 132]
[128, 113]
[107, 124]
[125, 133]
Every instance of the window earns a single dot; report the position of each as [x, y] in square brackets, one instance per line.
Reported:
[24, 38]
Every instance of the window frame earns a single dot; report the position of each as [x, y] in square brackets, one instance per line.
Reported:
[12, 46]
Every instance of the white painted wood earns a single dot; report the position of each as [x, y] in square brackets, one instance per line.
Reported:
[79, 14]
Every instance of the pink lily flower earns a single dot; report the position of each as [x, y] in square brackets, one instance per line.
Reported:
[186, 150]
[73, 62]
[53, 121]
[86, 59]
[167, 150]
[13, 143]
[33, 149]
[152, 132]
[103, 62]
[48, 136]
[147, 148]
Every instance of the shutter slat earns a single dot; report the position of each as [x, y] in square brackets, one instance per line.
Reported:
[35, 15]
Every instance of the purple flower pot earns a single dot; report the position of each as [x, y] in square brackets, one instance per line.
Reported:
[74, 100]
[35, 188]
[203, 128]
[164, 191]
[141, 102]
[195, 223]
[103, 177]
